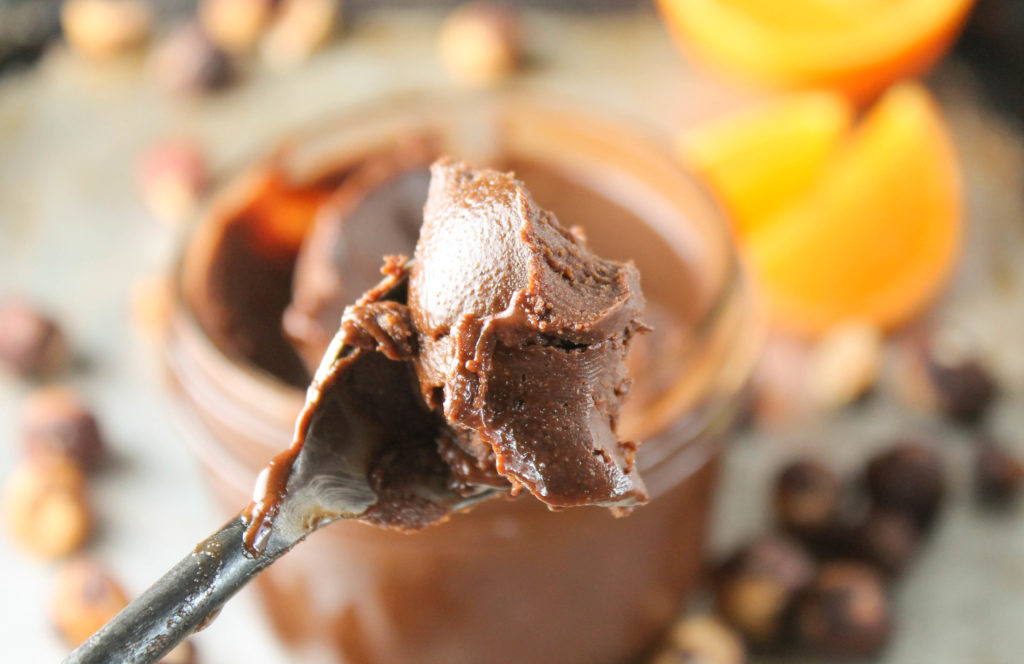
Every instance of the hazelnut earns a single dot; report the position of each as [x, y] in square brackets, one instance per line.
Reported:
[886, 539]
[300, 27]
[183, 653]
[702, 640]
[844, 364]
[46, 508]
[998, 475]
[31, 344]
[844, 612]
[151, 306]
[807, 496]
[480, 43]
[235, 25]
[85, 597]
[754, 588]
[908, 478]
[104, 28]
[172, 178]
[946, 373]
[56, 422]
[187, 63]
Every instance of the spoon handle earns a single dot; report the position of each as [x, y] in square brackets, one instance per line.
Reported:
[180, 602]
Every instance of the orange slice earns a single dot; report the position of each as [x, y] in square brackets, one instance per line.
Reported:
[878, 236]
[760, 158]
[857, 46]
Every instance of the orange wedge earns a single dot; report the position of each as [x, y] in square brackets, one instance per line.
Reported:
[760, 158]
[857, 46]
[878, 236]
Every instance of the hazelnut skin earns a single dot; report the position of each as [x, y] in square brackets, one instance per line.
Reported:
[56, 422]
[998, 475]
[480, 43]
[85, 596]
[945, 372]
[188, 64]
[844, 612]
[31, 344]
[46, 508]
[755, 587]
[806, 499]
[886, 539]
[910, 478]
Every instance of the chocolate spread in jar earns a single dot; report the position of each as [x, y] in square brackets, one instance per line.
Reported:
[517, 336]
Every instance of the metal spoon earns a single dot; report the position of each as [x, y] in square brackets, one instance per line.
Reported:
[323, 477]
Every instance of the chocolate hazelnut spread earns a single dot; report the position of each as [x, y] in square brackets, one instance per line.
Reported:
[517, 336]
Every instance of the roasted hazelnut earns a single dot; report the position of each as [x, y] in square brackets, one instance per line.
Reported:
[56, 422]
[187, 63]
[946, 373]
[844, 364]
[702, 640]
[299, 28]
[998, 475]
[172, 178]
[236, 25]
[183, 653]
[844, 612]
[104, 28]
[46, 508]
[85, 596]
[806, 499]
[754, 588]
[31, 344]
[909, 478]
[480, 43]
[151, 306]
[887, 540]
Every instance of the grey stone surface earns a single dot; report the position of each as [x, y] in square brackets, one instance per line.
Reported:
[75, 236]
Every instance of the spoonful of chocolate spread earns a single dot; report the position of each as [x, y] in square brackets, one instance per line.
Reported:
[490, 363]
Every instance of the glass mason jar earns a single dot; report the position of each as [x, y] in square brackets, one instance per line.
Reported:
[508, 581]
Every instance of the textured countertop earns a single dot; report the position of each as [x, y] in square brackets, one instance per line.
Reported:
[75, 235]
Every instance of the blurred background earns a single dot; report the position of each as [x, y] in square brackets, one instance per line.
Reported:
[869, 157]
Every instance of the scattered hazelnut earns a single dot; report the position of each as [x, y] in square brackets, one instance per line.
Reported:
[183, 653]
[187, 63]
[779, 383]
[844, 612]
[236, 25]
[886, 539]
[844, 364]
[944, 372]
[46, 509]
[702, 640]
[754, 588]
[172, 178]
[56, 422]
[998, 475]
[480, 43]
[104, 28]
[85, 596]
[151, 306]
[806, 499]
[300, 27]
[31, 344]
[908, 478]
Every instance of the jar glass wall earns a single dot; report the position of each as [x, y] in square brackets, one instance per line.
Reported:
[509, 580]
